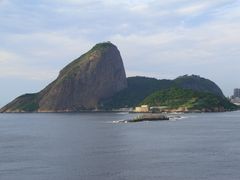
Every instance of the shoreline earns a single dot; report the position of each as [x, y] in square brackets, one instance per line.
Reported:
[118, 111]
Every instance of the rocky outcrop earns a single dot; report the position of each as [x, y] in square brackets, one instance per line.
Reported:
[81, 85]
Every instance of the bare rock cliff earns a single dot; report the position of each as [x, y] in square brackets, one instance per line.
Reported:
[81, 85]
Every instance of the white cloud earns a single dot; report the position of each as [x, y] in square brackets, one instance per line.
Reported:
[139, 8]
[7, 56]
[12, 65]
[208, 50]
[30, 73]
[42, 55]
[2, 2]
[75, 2]
[155, 74]
[155, 37]
[193, 9]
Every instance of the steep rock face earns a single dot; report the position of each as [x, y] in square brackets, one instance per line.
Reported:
[94, 76]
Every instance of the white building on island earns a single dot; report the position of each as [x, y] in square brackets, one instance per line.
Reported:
[142, 109]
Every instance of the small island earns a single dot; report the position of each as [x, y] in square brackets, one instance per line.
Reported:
[146, 117]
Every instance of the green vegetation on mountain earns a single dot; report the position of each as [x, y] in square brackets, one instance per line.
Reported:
[175, 98]
[24, 103]
[96, 52]
[141, 87]
[138, 88]
[198, 83]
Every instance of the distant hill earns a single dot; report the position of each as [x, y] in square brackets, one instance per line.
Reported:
[198, 83]
[175, 98]
[141, 87]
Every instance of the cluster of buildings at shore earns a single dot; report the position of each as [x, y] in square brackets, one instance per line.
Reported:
[146, 109]
[235, 98]
[165, 109]
[159, 109]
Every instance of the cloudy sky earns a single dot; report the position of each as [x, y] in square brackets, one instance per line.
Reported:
[157, 38]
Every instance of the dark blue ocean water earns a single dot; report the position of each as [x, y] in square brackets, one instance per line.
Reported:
[91, 147]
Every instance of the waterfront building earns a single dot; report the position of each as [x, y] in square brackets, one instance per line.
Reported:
[143, 108]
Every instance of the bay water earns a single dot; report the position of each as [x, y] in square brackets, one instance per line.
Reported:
[89, 146]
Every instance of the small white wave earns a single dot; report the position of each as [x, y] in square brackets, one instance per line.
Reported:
[119, 121]
[175, 118]
[122, 113]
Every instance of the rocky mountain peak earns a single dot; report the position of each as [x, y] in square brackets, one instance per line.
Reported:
[96, 75]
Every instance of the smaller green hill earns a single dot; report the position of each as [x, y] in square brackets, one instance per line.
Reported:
[24, 103]
[197, 83]
[175, 98]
